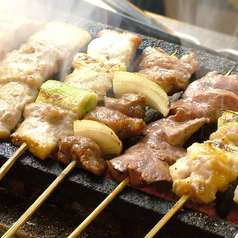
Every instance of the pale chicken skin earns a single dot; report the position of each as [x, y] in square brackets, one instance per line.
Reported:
[114, 46]
[169, 72]
[23, 71]
[92, 74]
[42, 127]
[205, 169]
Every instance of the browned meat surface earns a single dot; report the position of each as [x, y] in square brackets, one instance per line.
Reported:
[143, 167]
[176, 132]
[121, 124]
[85, 151]
[212, 80]
[208, 104]
[171, 73]
[148, 161]
[15, 30]
[130, 104]
[115, 47]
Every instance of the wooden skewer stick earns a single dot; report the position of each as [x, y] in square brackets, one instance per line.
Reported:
[167, 216]
[9, 163]
[39, 201]
[99, 208]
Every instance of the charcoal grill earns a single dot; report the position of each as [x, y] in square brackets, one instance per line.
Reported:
[133, 212]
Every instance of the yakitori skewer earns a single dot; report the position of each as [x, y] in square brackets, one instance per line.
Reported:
[26, 215]
[99, 208]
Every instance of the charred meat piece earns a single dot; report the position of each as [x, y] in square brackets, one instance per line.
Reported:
[121, 124]
[208, 104]
[15, 30]
[85, 151]
[130, 104]
[212, 80]
[43, 125]
[92, 74]
[114, 46]
[169, 72]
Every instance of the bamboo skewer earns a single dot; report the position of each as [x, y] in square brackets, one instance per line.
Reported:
[20, 222]
[168, 215]
[99, 208]
[9, 163]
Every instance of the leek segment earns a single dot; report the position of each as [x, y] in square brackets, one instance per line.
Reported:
[103, 135]
[156, 97]
[67, 97]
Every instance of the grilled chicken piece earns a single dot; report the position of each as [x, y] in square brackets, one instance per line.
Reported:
[92, 74]
[43, 55]
[11, 113]
[208, 104]
[212, 80]
[42, 127]
[148, 161]
[15, 30]
[169, 72]
[85, 151]
[130, 104]
[207, 168]
[115, 47]
[121, 124]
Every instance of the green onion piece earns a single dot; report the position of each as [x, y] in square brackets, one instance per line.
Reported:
[67, 97]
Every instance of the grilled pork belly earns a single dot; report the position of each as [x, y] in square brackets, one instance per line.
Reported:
[121, 124]
[210, 81]
[115, 47]
[169, 72]
[130, 104]
[42, 127]
[92, 74]
[85, 151]
[42, 56]
[207, 168]
[15, 30]
[148, 161]
[208, 104]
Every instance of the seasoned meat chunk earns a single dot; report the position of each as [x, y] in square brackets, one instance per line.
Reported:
[121, 124]
[42, 127]
[130, 104]
[144, 167]
[212, 80]
[169, 72]
[208, 104]
[85, 151]
[114, 46]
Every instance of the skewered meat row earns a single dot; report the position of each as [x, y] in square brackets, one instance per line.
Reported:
[148, 161]
[15, 30]
[43, 55]
[169, 72]
[206, 96]
[50, 117]
[210, 166]
[110, 52]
